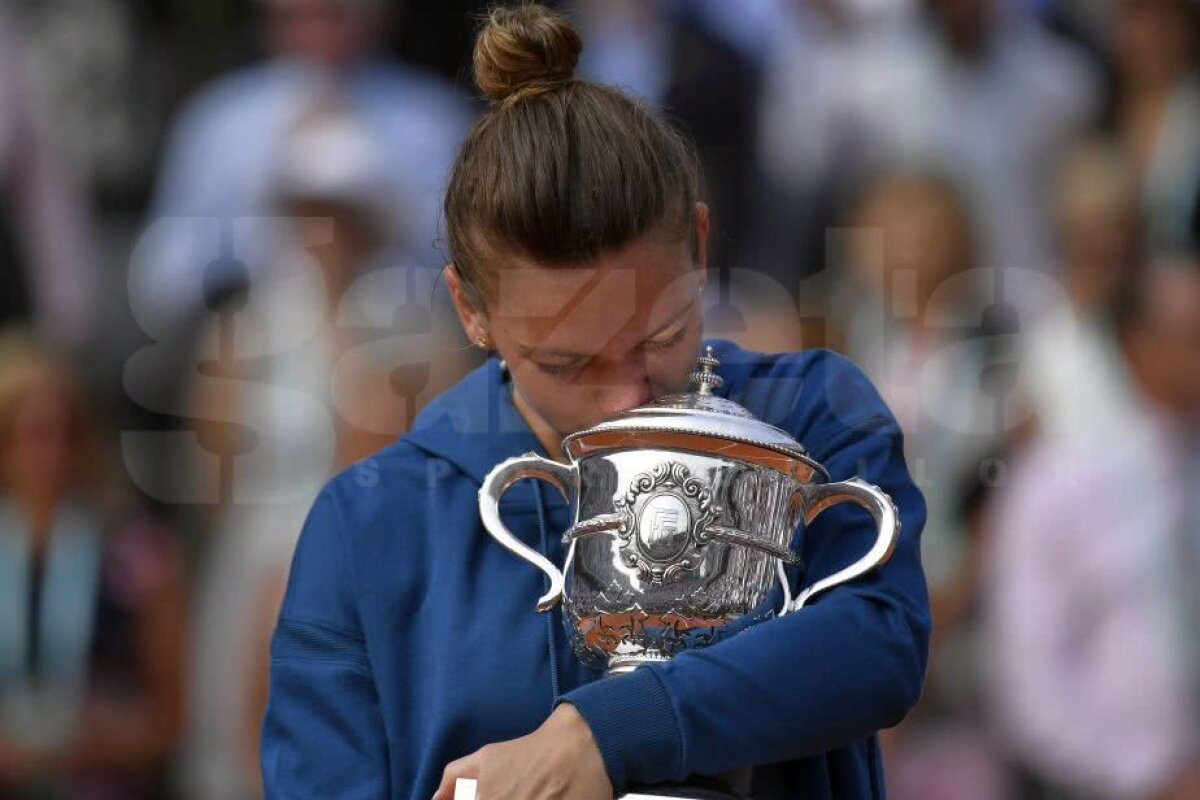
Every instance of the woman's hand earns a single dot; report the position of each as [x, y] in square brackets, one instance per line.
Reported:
[559, 759]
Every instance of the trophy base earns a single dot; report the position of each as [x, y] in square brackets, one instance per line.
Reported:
[622, 664]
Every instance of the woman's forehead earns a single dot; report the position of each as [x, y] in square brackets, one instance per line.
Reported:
[637, 275]
[575, 307]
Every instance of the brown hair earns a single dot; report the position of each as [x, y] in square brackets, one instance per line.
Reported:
[27, 365]
[558, 169]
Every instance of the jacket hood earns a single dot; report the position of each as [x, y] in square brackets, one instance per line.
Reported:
[474, 424]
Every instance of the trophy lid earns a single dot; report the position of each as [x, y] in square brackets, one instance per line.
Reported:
[698, 421]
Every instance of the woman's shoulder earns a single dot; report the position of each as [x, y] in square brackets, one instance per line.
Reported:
[811, 393]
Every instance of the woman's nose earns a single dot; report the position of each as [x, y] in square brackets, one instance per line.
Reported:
[622, 398]
[623, 389]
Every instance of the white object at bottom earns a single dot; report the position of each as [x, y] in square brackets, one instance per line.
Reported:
[464, 789]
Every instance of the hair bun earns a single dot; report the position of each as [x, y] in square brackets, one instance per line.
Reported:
[525, 47]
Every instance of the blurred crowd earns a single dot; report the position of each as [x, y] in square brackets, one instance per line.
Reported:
[219, 284]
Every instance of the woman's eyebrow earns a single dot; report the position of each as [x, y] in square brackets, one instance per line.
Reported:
[530, 350]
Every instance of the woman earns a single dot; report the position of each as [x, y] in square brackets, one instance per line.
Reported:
[407, 653]
[91, 605]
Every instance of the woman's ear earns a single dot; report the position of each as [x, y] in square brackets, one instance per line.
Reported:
[473, 321]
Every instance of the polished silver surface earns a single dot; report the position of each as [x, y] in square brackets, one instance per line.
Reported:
[685, 513]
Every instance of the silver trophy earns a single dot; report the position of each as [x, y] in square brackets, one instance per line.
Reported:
[685, 509]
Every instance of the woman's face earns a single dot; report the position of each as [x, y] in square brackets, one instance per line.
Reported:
[330, 33]
[40, 452]
[584, 342]
[915, 232]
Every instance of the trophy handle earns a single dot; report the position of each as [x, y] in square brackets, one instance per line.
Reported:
[820, 496]
[504, 475]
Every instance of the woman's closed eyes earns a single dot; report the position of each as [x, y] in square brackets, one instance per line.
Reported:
[657, 344]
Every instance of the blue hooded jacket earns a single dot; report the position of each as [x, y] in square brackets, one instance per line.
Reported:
[408, 636]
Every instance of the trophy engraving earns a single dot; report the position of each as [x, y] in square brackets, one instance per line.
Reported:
[664, 513]
[667, 527]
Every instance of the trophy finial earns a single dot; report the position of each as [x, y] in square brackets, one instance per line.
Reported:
[704, 376]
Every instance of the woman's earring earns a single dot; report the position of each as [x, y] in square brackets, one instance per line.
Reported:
[482, 342]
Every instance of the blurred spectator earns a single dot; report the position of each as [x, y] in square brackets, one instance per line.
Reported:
[1091, 582]
[1156, 113]
[221, 153]
[912, 319]
[970, 87]
[908, 301]
[91, 604]
[46, 275]
[1072, 372]
[291, 361]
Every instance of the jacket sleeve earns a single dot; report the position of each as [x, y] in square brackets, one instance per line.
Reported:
[323, 734]
[845, 666]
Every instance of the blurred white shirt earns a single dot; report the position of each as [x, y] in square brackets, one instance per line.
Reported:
[1086, 597]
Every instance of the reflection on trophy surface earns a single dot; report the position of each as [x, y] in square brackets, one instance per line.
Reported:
[685, 510]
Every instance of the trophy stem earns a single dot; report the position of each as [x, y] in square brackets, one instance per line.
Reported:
[622, 664]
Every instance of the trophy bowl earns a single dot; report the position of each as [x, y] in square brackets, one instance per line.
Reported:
[684, 513]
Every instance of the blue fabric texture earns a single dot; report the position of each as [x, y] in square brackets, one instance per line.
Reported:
[408, 637]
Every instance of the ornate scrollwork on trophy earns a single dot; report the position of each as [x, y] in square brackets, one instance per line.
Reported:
[666, 514]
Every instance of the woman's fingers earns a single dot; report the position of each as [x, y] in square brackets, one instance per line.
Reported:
[465, 767]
